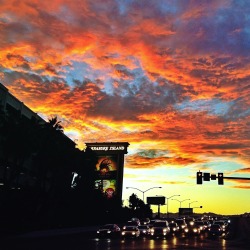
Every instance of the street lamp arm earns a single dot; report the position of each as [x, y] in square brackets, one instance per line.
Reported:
[150, 189]
[142, 190]
[193, 202]
[136, 189]
[175, 200]
[173, 196]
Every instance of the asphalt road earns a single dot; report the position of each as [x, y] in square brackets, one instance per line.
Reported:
[82, 239]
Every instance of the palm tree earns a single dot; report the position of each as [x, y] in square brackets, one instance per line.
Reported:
[55, 124]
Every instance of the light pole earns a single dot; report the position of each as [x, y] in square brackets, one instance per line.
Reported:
[143, 192]
[181, 201]
[197, 207]
[167, 202]
[191, 203]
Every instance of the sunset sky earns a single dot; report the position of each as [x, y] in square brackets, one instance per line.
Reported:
[172, 78]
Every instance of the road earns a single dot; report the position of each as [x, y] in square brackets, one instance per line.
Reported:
[238, 239]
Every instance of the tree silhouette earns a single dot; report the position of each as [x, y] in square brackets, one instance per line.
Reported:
[139, 208]
[55, 124]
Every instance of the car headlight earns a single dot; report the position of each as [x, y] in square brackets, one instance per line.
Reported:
[186, 230]
[195, 230]
[108, 231]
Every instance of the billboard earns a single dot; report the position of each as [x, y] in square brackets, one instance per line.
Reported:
[109, 168]
[185, 211]
[156, 200]
[106, 175]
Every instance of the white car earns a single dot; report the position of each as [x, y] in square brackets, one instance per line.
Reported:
[160, 229]
[130, 232]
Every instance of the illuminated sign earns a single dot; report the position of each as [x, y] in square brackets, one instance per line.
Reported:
[106, 175]
[109, 148]
[109, 167]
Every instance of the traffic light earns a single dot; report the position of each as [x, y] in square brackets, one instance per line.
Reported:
[206, 176]
[199, 177]
[213, 176]
[220, 179]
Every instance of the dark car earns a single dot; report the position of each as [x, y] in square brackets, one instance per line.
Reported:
[145, 221]
[181, 223]
[223, 224]
[108, 230]
[194, 229]
[215, 230]
[201, 225]
[174, 228]
[190, 221]
[131, 223]
[144, 230]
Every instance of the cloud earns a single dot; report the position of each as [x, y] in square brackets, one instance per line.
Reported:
[172, 72]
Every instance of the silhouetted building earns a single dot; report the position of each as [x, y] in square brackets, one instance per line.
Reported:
[10, 105]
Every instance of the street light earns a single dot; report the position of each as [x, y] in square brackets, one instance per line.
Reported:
[198, 207]
[191, 203]
[143, 192]
[167, 202]
[181, 201]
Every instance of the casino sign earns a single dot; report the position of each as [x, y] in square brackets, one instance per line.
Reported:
[109, 168]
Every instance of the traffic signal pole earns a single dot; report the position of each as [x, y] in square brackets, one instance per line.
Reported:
[200, 177]
[238, 178]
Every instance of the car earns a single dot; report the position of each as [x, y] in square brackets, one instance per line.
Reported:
[181, 223]
[145, 221]
[160, 229]
[201, 225]
[144, 230]
[130, 232]
[131, 223]
[223, 224]
[190, 221]
[134, 219]
[215, 230]
[194, 229]
[207, 224]
[174, 227]
[108, 230]
[151, 223]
